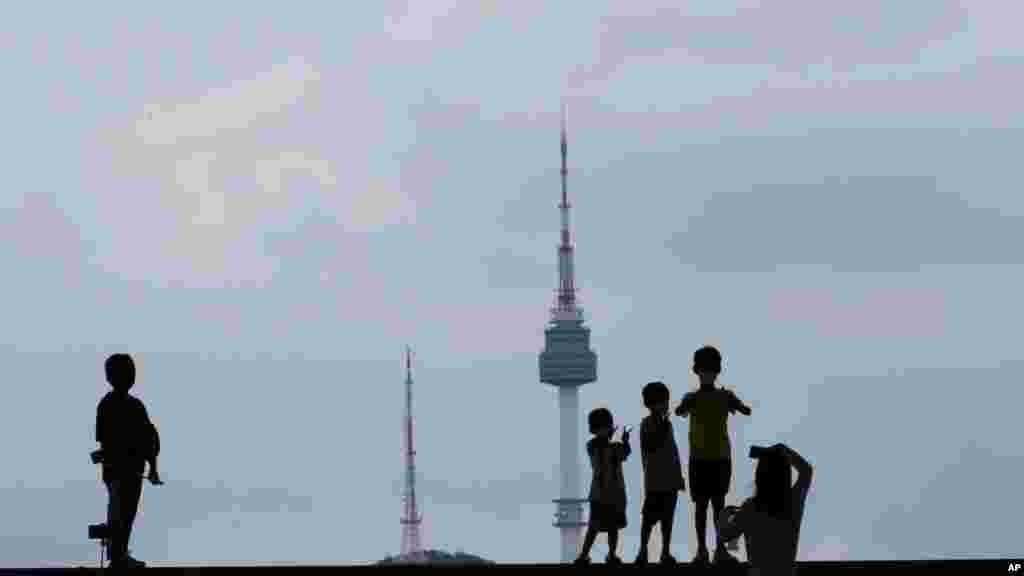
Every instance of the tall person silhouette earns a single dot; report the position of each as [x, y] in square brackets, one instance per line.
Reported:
[710, 451]
[128, 440]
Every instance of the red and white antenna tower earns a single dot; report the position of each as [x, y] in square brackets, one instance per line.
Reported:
[411, 519]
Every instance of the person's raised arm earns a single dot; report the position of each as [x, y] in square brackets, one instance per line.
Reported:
[622, 449]
[805, 472]
[803, 467]
[685, 405]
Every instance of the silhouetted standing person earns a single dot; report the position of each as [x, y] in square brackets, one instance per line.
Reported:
[128, 440]
[607, 487]
[710, 451]
[663, 471]
[770, 520]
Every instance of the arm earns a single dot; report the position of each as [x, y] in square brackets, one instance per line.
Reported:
[622, 449]
[685, 405]
[100, 421]
[97, 455]
[737, 405]
[803, 467]
[149, 436]
[643, 444]
[805, 473]
[156, 447]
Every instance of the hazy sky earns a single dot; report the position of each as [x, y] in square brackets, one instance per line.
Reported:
[265, 204]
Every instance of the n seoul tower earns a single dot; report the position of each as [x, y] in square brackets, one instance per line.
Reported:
[567, 363]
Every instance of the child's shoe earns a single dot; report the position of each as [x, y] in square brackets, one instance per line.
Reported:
[641, 558]
[613, 560]
[668, 560]
[582, 561]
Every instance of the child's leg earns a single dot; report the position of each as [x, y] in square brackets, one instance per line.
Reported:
[667, 519]
[588, 541]
[613, 543]
[645, 533]
[717, 504]
[699, 495]
[701, 521]
[718, 499]
[647, 524]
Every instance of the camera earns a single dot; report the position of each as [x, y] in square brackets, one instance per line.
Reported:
[99, 532]
[97, 456]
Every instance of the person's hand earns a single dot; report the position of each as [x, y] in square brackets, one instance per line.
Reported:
[154, 478]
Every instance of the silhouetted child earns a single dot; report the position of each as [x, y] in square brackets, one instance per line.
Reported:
[663, 471]
[770, 520]
[607, 486]
[710, 451]
[128, 440]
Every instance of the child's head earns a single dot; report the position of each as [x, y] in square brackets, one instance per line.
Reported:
[600, 421]
[773, 480]
[707, 364]
[656, 396]
[120, 369]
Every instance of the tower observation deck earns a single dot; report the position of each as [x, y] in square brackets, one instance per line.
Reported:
[567, 362]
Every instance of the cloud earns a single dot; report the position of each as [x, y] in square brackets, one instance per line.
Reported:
[907, 312]
[882, 224]
[236, 107]
[195, 183]
[785, 37]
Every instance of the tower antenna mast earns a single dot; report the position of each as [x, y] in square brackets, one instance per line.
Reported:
[411, 519]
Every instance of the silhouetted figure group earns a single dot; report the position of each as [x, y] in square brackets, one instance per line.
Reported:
[128, 440]
[769, 521]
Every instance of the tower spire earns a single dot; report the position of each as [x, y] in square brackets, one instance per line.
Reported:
[565, 307]
[411, 545]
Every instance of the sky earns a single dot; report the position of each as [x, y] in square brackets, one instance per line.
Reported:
[265, 204]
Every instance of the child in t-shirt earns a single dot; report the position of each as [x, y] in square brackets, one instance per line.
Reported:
[710, 451]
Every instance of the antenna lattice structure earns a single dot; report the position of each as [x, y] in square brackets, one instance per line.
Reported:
[411, 518]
